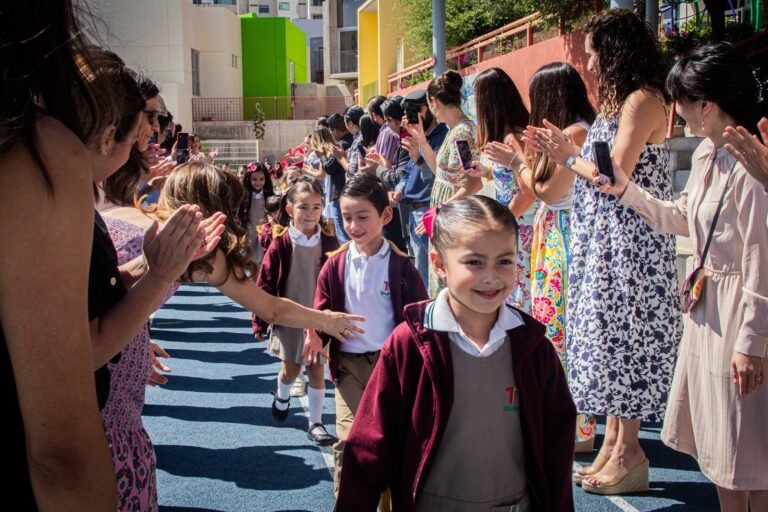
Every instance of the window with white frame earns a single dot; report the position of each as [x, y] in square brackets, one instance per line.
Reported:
[284, 6]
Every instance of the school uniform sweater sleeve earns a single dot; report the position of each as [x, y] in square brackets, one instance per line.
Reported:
[323, 294]
[372, 445]
[559, 416]
[267, 281]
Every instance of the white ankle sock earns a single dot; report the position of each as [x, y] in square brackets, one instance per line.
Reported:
[283, 393]
[316, 399]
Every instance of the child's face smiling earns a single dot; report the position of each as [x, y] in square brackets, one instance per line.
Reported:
[480, 272]
[305, 211]
[363, 223]
[257, 180]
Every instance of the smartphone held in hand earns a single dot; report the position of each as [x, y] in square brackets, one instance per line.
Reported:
[602, 156]
[465, 154]
[182, 147]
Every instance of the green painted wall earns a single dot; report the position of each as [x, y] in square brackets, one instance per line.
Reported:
[268, 45]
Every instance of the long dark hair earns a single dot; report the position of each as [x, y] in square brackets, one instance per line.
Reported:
[558, 94]
[500, 108]
[121, 187]
[369, 131]
[720, 73]
[628, 57]
[44, 64]
[269, 189]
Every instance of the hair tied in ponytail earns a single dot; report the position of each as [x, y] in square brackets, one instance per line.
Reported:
[428, 219]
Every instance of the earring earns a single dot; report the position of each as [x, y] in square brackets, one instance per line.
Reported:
[103, 152]
[702, 124]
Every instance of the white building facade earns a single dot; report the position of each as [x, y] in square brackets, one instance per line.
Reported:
[189, 49]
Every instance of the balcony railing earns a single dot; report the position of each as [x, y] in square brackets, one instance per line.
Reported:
[274, 107]
[344, 61]
[501, 41]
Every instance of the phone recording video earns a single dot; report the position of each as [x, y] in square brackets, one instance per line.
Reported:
[465, 154]
[182, 147]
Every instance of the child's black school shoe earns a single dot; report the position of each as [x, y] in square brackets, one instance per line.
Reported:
[318, 435]
[279, 415]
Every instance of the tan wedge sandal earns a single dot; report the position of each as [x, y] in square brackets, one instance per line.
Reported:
[579, 476]
[635, 480]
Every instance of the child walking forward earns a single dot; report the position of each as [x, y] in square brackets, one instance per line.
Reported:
[371, 277]
[290, 269]
[468, 408]
[253, 213]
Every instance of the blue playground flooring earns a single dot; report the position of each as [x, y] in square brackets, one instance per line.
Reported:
[218, 448]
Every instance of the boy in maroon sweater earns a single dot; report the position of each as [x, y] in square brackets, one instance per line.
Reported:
[368, 276]
[468, 408]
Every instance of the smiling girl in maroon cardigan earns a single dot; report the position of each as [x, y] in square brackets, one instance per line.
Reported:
[468, 408]
[290, 269]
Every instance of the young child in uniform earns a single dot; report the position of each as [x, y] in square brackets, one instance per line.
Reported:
[468, 408]
[370, 276]
[290, 269]
[258, 186]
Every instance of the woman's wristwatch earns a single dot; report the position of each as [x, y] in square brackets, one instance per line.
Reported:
[571, 161]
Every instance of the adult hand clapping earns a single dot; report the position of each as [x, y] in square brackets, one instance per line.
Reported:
[750, 150]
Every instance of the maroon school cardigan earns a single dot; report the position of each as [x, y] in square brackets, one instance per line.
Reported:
[330, 291]
[275, 267]
[405, 408]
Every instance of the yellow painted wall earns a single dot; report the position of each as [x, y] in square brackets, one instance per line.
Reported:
[367, 51]
[388, 33]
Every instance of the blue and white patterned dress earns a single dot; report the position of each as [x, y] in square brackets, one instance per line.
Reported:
[623, 309]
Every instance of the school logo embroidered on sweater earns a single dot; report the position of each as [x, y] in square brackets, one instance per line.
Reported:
[512, 400]
[385, 291]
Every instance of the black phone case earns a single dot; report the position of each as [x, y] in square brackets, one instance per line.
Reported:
[603, 159]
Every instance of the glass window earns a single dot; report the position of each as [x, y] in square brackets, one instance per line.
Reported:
[263, 9]
[317, 3]
[195, 73]
[284, 6]
[347, 11]
[317, 16]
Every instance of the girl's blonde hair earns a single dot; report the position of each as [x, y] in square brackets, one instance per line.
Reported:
[213, 190]
[321, 137]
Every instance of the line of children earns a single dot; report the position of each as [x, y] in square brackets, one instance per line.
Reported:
[290, 269]
[371, 277]
[258, 187]
[468, 408]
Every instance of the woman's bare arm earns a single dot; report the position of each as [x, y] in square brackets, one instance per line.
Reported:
[44, 265]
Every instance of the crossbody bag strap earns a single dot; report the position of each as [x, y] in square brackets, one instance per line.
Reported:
[716, 217]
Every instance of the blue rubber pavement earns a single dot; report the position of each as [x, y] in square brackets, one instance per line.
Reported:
[218, 448]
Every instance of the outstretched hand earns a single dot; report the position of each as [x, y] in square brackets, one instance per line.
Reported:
[156, 378]
[342, 326]
[170, 248]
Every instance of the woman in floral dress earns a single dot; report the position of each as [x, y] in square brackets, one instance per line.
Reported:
[623, 310]
[452, 181]
[501, 117]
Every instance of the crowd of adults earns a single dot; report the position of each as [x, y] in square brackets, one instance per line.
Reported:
[595, 262]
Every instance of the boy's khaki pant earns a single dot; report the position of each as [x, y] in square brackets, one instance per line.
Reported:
[352, 376]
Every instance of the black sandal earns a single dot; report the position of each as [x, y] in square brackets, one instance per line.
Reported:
[318, 435]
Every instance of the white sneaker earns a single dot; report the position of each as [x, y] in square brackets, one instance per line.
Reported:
[299, 387]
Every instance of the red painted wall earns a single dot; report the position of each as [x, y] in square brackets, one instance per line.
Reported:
[522, 64]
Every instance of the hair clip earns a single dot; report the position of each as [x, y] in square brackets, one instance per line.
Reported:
[251, 167]
[428, 219]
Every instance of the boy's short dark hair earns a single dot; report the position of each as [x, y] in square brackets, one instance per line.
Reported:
[392, 108]
[367, 187]
[336, 122]
[353, 114]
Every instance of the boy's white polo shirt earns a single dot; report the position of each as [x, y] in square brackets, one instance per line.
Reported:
[367, 293]
[439, 317]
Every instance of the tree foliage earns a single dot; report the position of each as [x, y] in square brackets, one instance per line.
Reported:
[468, 19]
